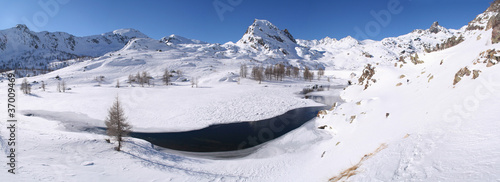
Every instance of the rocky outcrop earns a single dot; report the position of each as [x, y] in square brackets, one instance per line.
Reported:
[435, 28]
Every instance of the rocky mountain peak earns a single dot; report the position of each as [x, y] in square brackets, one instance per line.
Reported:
[494, 7]
[22, 27]
[262, 30]
[436, 28]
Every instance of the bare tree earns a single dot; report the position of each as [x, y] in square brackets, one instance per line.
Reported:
[166, 77]
[321, 72]
[279, 71]
[243, 71]
[145, 78]
[307, 73]
[43, 86]
[130, 79]
[99, 79]
[269, 72]
[194, 82]
[117, 83]
[257, 73]
[288, 71]
[63, 86]
[116, 123]
[296, 72]
[59, 86]
[25, 86]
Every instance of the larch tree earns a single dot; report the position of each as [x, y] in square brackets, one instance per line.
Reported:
[25, 86]
[321, 72]
[59, 86]
[257, 73]
[43, 86]
[63, 86]
[116, 123]
[243, 71]
[166, 77]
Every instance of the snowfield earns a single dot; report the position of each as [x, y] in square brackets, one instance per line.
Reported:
[429, 117]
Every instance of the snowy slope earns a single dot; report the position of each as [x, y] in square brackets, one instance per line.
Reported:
[23, 48]
[349, 53]
[431, 127]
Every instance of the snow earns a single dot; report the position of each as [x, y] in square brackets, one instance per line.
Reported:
[410, 124]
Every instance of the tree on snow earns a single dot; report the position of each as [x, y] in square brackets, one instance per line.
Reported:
[116, 123]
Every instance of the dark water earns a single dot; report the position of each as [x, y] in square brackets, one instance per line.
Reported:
[232, 136]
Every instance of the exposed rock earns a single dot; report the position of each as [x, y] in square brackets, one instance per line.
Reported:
[494, 7]
[415, 60]
[367, 75]
[494, 24]
[353, 118]
[461, 73]
[321, 114]
[368, 55]
[475, 73]
[435, 28]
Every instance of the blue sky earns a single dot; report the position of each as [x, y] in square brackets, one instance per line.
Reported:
[200, 19]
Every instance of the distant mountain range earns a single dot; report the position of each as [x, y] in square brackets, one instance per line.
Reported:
[22, 48]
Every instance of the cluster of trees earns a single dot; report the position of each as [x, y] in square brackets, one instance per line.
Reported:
[141, 78]
[278, 72]
[258, 73]
[166, 77]
[61, 86]
[308, 75]
[26, 86]
[243, 71]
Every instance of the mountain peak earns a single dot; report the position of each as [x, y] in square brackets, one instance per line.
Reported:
[435, 28]
[262, 35]
[21, 26]
[129, 33]
[494, 7]
[262, 30]
[176, 39]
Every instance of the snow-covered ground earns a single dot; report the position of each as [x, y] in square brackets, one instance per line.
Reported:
[62, 152]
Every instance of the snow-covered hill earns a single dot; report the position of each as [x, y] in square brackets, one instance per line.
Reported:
[24, 49]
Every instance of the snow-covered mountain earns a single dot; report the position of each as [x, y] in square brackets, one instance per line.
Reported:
[264, 38]
[262, 41]
[349, 53]
[431, 117]
[23, 48]
[176, 39]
